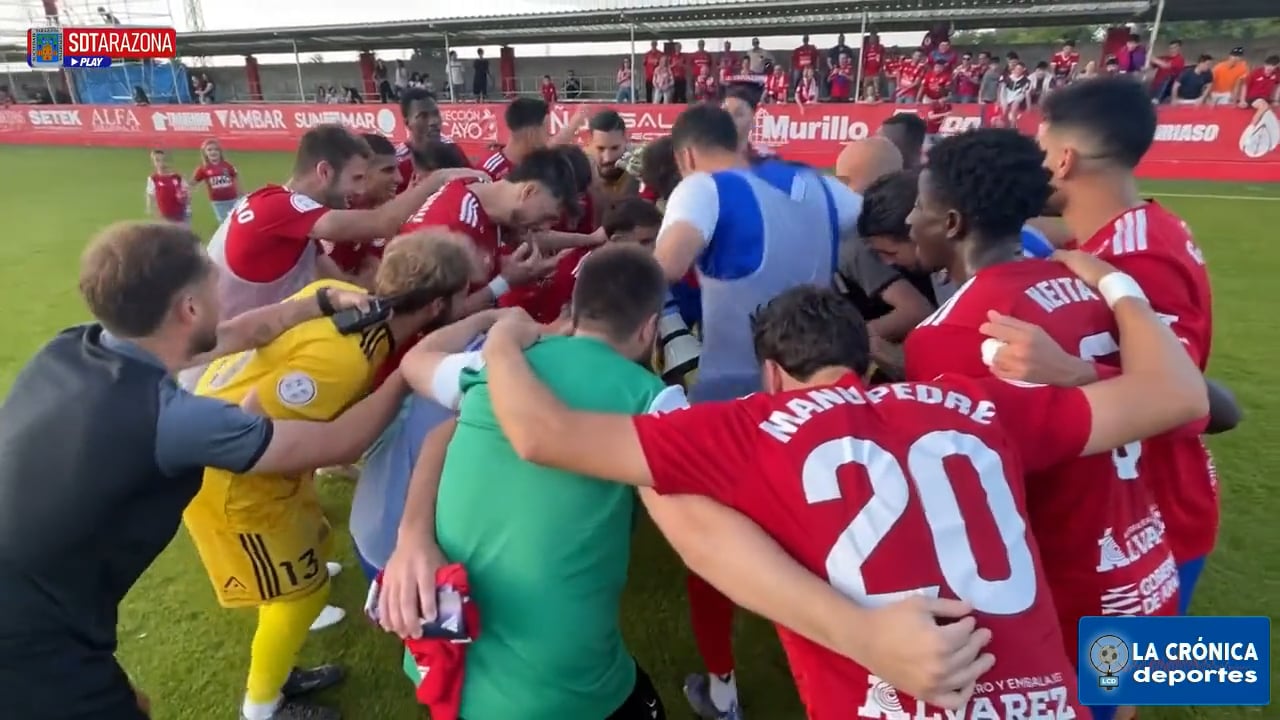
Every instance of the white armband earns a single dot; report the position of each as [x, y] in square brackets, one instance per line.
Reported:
[1117, 285]
[499, 287]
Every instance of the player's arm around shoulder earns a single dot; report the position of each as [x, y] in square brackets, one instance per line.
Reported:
[321, 376]
[1160, 387]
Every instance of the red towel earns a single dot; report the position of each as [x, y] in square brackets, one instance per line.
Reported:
[442, 662]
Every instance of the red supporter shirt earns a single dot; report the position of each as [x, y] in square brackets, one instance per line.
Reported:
[700, 59]
[1177, 63]
[967, 80]
[1261, 84]
[1108, 555]
[872, 59]
[852, 483]
[220, 177]
[272, 229]
[651, 61]
[776, 87]
[1155, 247]
[171, 195]
[936, 115]
[455, 207]
[679, 67]
[909, 76]
[892, 65]
[936, 84]
[497, 166]
[803, 57]
[707, 87]
[1063, 63]
[549, 92]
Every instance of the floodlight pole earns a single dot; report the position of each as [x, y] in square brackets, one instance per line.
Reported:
[1155, 30]
[297, 64]
[633, 63]
[862, 39]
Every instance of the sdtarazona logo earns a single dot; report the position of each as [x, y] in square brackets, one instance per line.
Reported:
[1262, 136]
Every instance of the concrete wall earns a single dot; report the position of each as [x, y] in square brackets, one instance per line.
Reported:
[280, 82]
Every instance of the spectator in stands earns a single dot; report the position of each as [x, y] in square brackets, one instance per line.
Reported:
[840, 80]
[705, 87]
[401, 78]
[663, 82]
[140, 96]
[760, 60]
[1065, 62]
[833, 58]
[967, 79]
[893, 61]
[548, 90]
[989, 85]
[454, 76]
[625, 92]
[1191, 87]
[426, 83]
[944, 54]
[322, 95]
[1015, 95]
[1090, 71]
[776, 86]
[910, 78]
[679, 75]
[205, 90]
[382, 82]
[1228, 78]
[108, 18]
[572, 86]
[872, 63]
[1132, 58]
[1169, 68]
[349, 95]
[804, 56]
[1041, 82]
[808, 91]
[700, 59]
[6, 97]
[1262, 87]
[652, 60]
[480, 76]
[934, 38]
[1111, 66]
[728, 59]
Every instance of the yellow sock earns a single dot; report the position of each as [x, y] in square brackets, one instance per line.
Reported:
[283, 627]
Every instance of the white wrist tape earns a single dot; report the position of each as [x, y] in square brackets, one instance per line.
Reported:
[990, 347]
[499, 287]
[1117, 285]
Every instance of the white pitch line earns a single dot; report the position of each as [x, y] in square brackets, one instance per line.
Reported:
[1214, 197]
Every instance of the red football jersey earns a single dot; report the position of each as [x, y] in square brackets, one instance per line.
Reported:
[455, 207]
[549, 93]
[1155, 247]
[1262, 84]
[1108, 555]
[676, 61]
[968, 76]
[936, 84]
[1063, 63]
[545, 299]
[909, 75]
[803, 57]
[171, 195]
[899, 490]
[651, 61]
[497, 166]
[936, 115]
[893, 65]
[220, 178]
[269, 232]
[872, 58]
[699, 59]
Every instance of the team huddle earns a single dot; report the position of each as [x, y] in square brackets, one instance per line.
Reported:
[866, 406]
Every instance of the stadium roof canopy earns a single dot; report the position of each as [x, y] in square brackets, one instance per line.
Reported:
[613, 20]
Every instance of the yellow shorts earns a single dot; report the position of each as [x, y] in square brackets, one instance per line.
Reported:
[260, 539]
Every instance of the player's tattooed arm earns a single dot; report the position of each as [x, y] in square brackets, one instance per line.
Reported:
[256, 328]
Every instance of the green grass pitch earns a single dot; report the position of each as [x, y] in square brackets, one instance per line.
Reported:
[191, 656]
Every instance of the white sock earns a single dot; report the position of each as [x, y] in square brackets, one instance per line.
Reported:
[260, 711]
[723, 691]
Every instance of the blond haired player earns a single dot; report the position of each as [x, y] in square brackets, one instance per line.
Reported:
[263, 538]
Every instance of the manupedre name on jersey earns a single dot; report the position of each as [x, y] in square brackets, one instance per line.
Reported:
[782, 425]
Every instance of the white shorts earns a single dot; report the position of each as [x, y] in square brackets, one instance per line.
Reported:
[1220, 98]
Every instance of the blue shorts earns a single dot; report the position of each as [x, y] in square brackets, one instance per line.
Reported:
[223, 208]
[366, 567]
[1188, 576]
